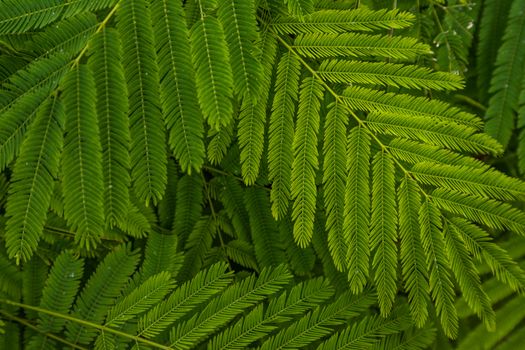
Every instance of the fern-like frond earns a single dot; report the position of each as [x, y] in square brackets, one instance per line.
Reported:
[160, 255]
[232, 302]
[197, 245]
[82, 158]
[412, 255]
[320, 45]
[264, 232]
[238, 20]
[148, 153]
[414, 338]
[305, 163]
[342, 21]
[494, 214]
[250, 135]
[213, 73]
[441, 287]
[334, 180]
[504, 85]
[357, 208]
[189, 205]
[34, 276]
[243, 253]
[281, 132]
[219, 142]
[319, 322]
[100, 292]
[10, 279]
[369, 100]
[300, 8]
[20, 17]
[521, 126]
[301, 260]
[468, 279]
[383, 230]
[185, 298]
[387, 74]
[232, 198]
[182, 114]
[33, 179]
[438, 133]
[112, 107]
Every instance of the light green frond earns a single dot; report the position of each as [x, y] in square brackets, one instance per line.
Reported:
[334, 181]
[494, 214]
[232, 302]
[264, 230]
[480, 244]
[148, 152]
[33, 179]
[369, 100]
[320, 45]
[104, 285]
[412, 255]
[301, 260]
[305, 163]
[300, 8]
[219, 143]
[160, 255]
[19, 17]
[387, 74]
[239, 23]
[383, 231]
[357, 208]
[483, 182]
[281, 129]
[468, 279]
[182, 114]
[441, 287]
[82, 158]
[342, 21]
[504, 86]
[185, 298]
[213, 73]
[189, 203]
[112, 107]
[415, 152]
[250, 135]
[316, 324]
[140, 299]
[445, 134]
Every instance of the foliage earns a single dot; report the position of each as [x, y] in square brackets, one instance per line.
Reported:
[278, 174]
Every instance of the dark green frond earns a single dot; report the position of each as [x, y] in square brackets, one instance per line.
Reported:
[213, 72]
[468, 279]
[182, 114]
[383, 230]
[494, 214]
[412, 255]
[219, 142]
[280, 155]
[33, 179]
[305, 163]
[387, 74]
[160, 255]
[100, 292]
[232, 198]
[112, 107]
[300, 8]
[34, 276]
[357, 208]
[197, 246]
[334, 181]
[453, 136]
[250, 135]
[441, 287]
[82, 158]
[341, 21]
[10, 279]
[505, 85]
[189, 205]
[414, 338]
[148, 152]
[320, 45]
[301, 260]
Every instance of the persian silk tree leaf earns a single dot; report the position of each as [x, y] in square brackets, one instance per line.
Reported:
[383, 230]
[32, 180]
[412, 255]
[112, 107]
[505, 85]
[148, 153]
[305, 163]
[334, 180]
[357, 208]
[182, 114]
[213, 73]
[441, 287]
[240, 29]
[250, 135]
[82, 158]
[281, 130]
[299, 8]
